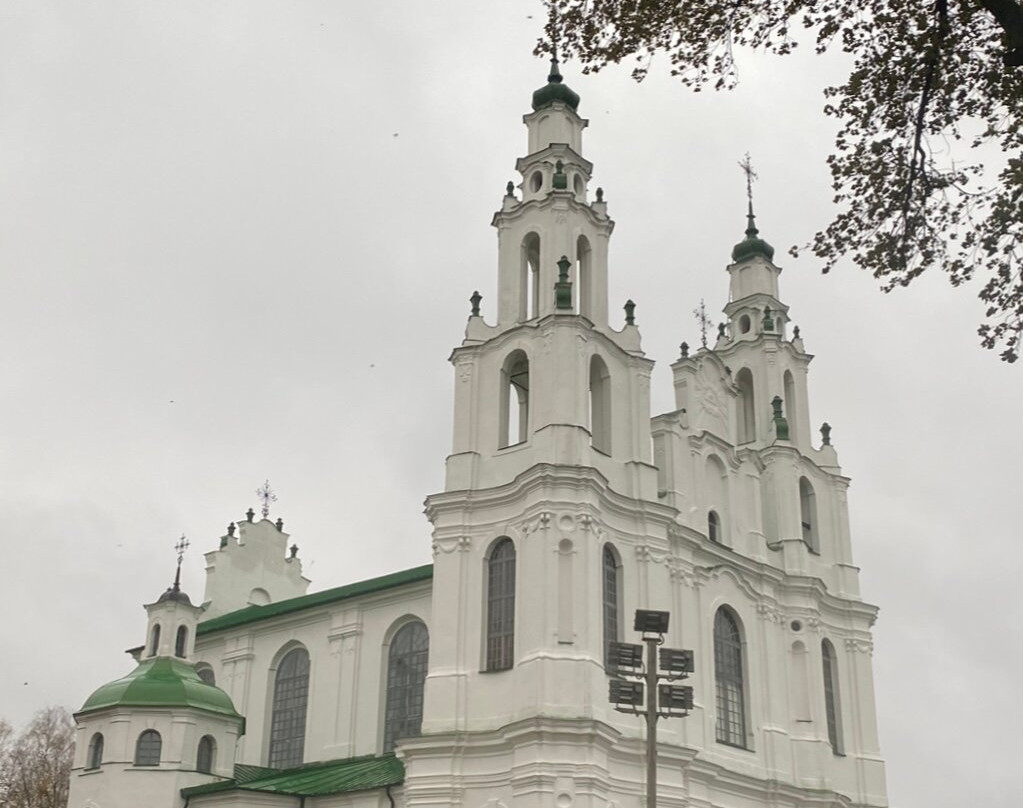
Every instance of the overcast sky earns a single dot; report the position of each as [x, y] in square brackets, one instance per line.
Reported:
[237, 241]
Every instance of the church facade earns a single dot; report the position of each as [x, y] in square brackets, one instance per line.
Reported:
[482, 679]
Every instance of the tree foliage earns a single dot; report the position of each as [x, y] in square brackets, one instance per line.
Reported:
[35, 766]
[935, 93]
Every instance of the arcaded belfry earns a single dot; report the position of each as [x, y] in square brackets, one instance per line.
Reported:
[481, 679]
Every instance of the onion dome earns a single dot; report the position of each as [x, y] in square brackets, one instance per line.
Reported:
[555, 91]
[175, 594]
[161, 682]
[751, 245]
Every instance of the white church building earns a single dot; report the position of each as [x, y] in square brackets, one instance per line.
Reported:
[481, 679]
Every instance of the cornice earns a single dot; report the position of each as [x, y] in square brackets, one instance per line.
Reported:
[511, 215]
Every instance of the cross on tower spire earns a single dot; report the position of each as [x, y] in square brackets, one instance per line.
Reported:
[747, 168]
[266, 496]
[700, 313]
[179, 548]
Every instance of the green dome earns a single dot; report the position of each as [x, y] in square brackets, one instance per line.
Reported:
[555, 91]
[752, 244]
[161, 682]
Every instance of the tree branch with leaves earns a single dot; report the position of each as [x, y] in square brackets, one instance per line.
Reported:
[927, 168]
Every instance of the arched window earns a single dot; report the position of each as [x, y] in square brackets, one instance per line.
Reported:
[180, 641]
[584, 280]
[808, 514]
[832, 704]
[746, 415]
[713, 527]
[716, 482]
[600, 405]
[514, 399]
[291, 697]
[206, 674]
[790, 405]
[94, 758]
[501, 606]
[406, 674]
[154, 640]
[529, 304]
[611, 580]
[728, 680]
[206, 756]
[147, 748]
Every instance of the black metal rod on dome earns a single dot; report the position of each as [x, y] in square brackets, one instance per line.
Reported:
[661, 700]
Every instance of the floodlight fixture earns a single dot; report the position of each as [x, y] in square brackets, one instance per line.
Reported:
[675, 698]
[625, 695]
[676, 662]
[626, 657]
[651, 622]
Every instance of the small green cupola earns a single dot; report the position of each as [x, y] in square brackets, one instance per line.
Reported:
[752, 245]
[555, 90]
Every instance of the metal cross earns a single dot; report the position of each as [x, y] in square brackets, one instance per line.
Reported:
[747, 168]
[180, 548]
[700, 313]
[266, 495]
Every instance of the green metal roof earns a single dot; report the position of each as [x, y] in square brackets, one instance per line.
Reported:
[555, 90]
[161, 682]
[252, 614]
[312, 779]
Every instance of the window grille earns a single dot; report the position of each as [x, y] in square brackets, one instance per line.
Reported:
[206, 756]
[728, 680]
[831, 697]
[610, 580]
[501, 607]
[406, 674]
[148, 748]
[287, 723]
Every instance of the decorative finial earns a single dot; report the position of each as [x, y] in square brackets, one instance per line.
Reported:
[684, 347]
[630, 312]
[563, 288]
[721, 330]
[781, 426]
[795, 332]
[279, 524]
[600, 194]
[747, 167]
[826, 433]
[294, 550]
[266, 494]
[700, 313]
[475, 300]
[250, 514]
[509, 189]
[179, 548]
[231, 529]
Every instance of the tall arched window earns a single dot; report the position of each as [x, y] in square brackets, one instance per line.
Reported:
[583, 278]
[180, 641]
[514, 399]
[290, 700]
[154, 640]
[600, 405]
[407, 659]
[148, 748]
[790, 405]
[501, 606]
[713, 527]
[611, 580]
[94, 758]
[206, 755]
[832, 708]
[529, 304]
[728, 679]
[746, 415]
[808, 514]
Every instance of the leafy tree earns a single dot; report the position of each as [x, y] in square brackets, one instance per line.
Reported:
[934, 87]
[35, 767]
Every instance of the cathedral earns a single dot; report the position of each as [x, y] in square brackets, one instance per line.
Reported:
[482, 679]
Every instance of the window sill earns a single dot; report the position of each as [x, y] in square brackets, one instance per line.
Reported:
[731, 745]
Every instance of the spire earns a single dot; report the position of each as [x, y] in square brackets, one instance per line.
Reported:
[555, 89]
[174, 591]
[751, 245]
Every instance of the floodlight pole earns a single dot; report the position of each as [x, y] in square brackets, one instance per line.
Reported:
[651, 719]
